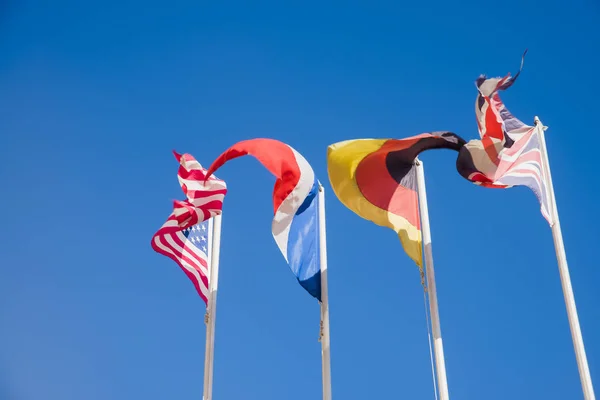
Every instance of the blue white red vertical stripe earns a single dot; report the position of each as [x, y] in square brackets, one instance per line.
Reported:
[295, 225]
[184, 236]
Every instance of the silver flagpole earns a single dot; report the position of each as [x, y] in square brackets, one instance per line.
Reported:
[565, 278]
[214, 247]
[324, 336]
[438, 346]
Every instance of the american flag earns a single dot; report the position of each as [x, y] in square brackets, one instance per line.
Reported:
[509, 152]
[184, 236]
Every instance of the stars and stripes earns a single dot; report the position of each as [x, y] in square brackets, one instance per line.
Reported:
[189, 249]
[184, 237]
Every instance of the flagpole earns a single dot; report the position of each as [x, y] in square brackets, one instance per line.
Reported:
[438, 346]
[565, 278]
[214, 247]
[324, 334]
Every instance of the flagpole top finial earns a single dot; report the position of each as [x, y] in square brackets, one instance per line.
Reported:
[537, 122]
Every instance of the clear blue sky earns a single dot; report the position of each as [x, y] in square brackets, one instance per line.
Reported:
[93, 98]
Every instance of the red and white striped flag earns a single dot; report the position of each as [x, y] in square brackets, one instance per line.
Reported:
[509, 152]
[184, 236]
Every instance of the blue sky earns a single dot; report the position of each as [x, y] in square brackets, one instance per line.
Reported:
[95, 95]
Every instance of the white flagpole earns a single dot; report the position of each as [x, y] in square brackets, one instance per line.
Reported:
[565, 278]
[324, 334]
[438, 347]
[214, 247]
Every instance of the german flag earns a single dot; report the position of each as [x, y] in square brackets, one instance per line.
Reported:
[376, 179]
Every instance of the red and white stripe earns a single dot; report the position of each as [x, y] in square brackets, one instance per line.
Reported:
[521, 164]
[512, 148]
[204, 200]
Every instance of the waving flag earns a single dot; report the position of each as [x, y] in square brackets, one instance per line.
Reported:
[184, 236]
[295, 223]
[376, 179]
[509, 152]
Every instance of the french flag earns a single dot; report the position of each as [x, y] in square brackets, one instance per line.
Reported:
[295, 202]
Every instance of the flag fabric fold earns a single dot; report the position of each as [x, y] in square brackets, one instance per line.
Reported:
[184, 236]
[295, 225]
[508, 153]
[376, 179]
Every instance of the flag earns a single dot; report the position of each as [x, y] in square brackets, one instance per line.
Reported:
[295, 225]
[376, 179]
[184, 236]
[509, 152]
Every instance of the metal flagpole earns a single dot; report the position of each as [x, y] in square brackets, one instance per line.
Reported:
[324, 334]
[214, 247]
[565, 279]
[438, 347]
